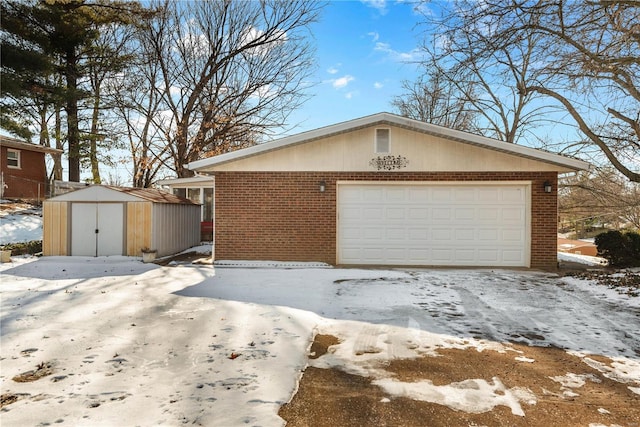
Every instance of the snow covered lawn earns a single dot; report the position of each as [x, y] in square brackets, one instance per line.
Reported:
[119, 342]
[19, 222]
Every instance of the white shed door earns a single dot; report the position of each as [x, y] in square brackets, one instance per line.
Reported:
[433, 224]
[97, 229]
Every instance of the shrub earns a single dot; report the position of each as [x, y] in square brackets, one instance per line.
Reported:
[621, 250]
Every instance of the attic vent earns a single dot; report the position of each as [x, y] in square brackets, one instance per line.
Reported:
[382, 141]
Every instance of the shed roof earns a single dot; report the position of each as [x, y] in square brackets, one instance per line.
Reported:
[403, 122]
[153, 195]
[6, 141]
[102, 193]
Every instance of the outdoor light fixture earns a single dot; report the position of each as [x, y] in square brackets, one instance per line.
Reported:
[323, 186]
[547, 187]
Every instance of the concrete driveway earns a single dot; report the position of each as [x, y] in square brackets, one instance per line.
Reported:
[531, 308]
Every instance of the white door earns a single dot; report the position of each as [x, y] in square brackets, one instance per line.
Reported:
[433, 224]
[97, 229]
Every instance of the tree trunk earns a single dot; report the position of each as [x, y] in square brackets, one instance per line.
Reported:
[93, 149]
[73, 131]
[57, 158]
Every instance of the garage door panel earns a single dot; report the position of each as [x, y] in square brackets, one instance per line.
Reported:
[440, 213]
[441, 194]
[372, 214]
[465, 214]
[373, 233]
[465, 195]
[418, 194]
[418, 213]
[516, 195]
[395, 213]
[489, 214]
[513, 214]
[372, 195]
[465, 234]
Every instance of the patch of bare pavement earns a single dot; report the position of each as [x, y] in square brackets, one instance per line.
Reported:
[552, 387]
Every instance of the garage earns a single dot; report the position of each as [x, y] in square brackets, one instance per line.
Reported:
[447, 224]
[101, 220]
[387, 190]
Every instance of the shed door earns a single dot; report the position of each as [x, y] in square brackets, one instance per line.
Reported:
[433, 224]
[97, 229]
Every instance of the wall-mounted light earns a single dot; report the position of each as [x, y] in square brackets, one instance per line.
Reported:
[322, 185]
[547, 187]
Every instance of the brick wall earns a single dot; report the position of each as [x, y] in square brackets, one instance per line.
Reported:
[27, 182]
[283, 215]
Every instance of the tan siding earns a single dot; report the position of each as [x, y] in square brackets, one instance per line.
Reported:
[55, 228]
[138, 227]
[353, 152]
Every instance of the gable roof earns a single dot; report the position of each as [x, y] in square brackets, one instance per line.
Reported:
[153, 195]
[402, 122]
[101, 193]
[6, 141]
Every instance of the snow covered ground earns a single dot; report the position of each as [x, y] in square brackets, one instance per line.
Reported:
[128, 343]
[20, 223]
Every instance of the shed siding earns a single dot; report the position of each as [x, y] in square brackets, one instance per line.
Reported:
[175, 227]
[55, 228]
[138, 227]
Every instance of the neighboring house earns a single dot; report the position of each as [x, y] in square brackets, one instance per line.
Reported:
[24, 173]
[198, 189]
[103, 220]
[387, 190]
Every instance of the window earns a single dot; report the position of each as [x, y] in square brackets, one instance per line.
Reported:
[382, 141]
[193, 194]
[180, 192]
[207, 206]
[13, 158]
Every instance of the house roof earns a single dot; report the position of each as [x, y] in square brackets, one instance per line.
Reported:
[403, 122]
[191, 180]
[6, 141]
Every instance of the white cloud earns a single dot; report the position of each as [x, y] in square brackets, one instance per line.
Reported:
[394, 55]
[379, 5]
[350, 95]
[377, 85]
[332, 70]
[342, 81]
[374, 35]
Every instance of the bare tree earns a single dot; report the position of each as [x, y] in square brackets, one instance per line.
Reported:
[432, 98]
[585, 58]
[229, 72]
[601, 196]
[487, 77]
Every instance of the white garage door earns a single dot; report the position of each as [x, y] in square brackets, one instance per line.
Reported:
[97, 229]
[433, 224]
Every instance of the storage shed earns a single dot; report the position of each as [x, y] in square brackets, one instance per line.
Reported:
[104, 220]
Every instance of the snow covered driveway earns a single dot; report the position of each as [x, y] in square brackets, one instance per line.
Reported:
[518, 306]
[111, 341]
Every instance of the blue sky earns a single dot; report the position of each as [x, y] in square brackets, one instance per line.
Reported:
[363, 50]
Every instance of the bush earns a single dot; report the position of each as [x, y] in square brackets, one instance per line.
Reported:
[33, 247]
[621, 250]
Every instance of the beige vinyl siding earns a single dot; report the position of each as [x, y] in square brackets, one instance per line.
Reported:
[138, 227]
[55, 228]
